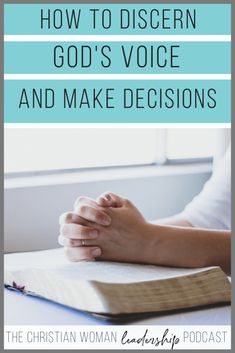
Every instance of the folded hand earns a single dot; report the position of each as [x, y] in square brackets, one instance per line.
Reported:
[110, 228]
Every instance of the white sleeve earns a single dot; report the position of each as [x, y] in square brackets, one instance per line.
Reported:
[212, 207]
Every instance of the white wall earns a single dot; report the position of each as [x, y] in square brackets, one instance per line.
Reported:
[32, 212]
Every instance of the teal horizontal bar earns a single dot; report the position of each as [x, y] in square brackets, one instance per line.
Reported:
[128, 19]
[116, 57]
[180, 101]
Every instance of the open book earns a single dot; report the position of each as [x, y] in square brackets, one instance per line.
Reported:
[112, 288]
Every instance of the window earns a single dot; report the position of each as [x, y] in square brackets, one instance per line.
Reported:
[51, 149]
[28, 150]
[190, 143]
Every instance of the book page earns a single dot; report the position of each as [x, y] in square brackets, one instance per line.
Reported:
[109, 272]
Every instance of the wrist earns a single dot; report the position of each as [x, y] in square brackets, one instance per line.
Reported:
[154, 243]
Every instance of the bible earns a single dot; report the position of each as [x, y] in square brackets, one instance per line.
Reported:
[112, 288]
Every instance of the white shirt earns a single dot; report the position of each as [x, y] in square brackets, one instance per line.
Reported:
[212, 207]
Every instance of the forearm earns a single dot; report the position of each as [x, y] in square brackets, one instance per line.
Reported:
[189, 247]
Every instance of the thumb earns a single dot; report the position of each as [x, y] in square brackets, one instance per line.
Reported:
[109, 199]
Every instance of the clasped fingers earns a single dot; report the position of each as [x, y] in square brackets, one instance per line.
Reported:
[77, 231]
[90, 211]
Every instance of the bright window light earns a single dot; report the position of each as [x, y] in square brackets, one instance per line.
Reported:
[31, 150]
[41, 150]
[190, 143]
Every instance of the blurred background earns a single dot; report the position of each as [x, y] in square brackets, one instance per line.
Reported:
[160, 170]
